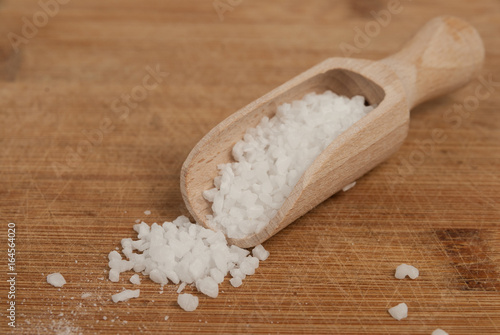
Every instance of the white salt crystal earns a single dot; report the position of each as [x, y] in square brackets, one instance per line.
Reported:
[210, 194]
[114, 275]
[158, 276]
[147, 212]
[399, 312]
[217, 275]
[247, 268]
[166, 317]
[253, 261]
[196, 269]
[56, 279]
[237, 273]
[188, 302]
[349, 186]
[114, 255]
[135, 279]
[208, 286]
[236, 281]
[271, 158]
[125, 295]
[86, 295]
[404, 270]
[261, 253]
[173, 276]
[181, 287]
[439, 331]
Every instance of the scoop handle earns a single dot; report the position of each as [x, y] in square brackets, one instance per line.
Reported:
[444, 55]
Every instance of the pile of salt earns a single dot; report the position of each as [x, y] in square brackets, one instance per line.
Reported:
[271, 158]
[183, 253]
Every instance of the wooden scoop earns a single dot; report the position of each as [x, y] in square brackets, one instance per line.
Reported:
[443, 56]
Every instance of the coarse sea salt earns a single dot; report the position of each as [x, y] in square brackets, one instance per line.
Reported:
[399, 312]
[56, 279]
[404, 270]
[271, 158]
[125, 295]
[348, 186]
[188, 302]
[135, 279]
[439, 331]
[183, 253]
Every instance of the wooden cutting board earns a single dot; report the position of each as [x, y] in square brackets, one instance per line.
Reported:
[80, 161]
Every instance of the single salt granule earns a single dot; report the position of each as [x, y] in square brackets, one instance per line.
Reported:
[181, 287]
[56, 279]
[261, 253]
[236, 281]
[147, 212]
[125, 295]
[439, 331]
[404, 270]
[208, 286]
[246, 268]
[399, 312]
[188, 302]
[135, 279]
[349, 186]
[114, 275]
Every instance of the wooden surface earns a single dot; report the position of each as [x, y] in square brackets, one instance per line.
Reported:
[434, 204]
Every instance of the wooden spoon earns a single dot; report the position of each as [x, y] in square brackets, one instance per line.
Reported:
[443, 56]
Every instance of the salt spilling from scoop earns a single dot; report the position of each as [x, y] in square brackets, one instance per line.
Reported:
[182, 253]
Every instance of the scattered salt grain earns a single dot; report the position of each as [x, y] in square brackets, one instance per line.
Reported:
[208, 286]
[349, 186]
[114, 275]
[135, 279]
[181, 287]
[188, 302]
[404, 270]
[86, 295]
[236, 281]
[147, 212]
[271, 158]
[439, 331]
[125, 295]
[261, 253]
[56, 279]
[166, 317]
[399, 312]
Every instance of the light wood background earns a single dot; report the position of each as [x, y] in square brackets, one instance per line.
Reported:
[435, 205]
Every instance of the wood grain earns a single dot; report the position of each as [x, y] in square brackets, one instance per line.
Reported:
[434, 204]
